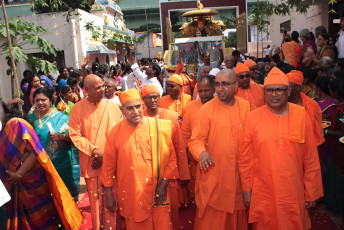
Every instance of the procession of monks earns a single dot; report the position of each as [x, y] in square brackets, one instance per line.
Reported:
[246, 155]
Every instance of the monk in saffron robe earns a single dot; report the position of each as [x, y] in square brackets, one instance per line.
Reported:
[206, 93]
[248, 90]
[215, 144]
[278, 161]
[188, 83]
[139, 154]
[295, 79]
[176, 100]
[150, 96]
[90, 121]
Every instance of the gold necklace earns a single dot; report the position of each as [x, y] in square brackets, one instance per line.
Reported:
[39, 119]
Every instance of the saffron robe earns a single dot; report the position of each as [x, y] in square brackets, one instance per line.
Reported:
[167, 102]
[216, 130]
[254, 94]
[278, 161]
[137, 158]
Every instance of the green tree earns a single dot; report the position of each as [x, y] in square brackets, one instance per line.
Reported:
[24, 33]
[231, 40]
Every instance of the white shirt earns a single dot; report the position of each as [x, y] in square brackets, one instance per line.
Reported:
[124, 83]
[200, 69]
[137, 74]
[340, 44]
[115, 99]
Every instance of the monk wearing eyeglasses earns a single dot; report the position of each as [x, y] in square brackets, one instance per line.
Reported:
[176, 100]
[247, 89]
[214, 143]
[278, 160]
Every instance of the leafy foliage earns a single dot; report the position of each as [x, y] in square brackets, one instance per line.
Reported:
[231, 40]
[24, 33]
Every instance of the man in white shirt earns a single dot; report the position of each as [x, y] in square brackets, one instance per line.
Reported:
[340, 42]
[229, 62]
[110, 91]
[148, 78]
[206, 62]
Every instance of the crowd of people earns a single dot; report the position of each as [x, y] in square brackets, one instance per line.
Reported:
[255, 142]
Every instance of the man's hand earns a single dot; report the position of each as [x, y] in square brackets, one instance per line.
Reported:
[110, 200]
[85, 61]
[161, 192]
[97, 159]
[181, 53]
[247, 198]
[205, 161]
[310, 204]
[13, 177]
[55, 137]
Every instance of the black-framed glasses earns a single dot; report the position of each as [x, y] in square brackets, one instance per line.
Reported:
[278, 91]
[244, 76]
[224, 83]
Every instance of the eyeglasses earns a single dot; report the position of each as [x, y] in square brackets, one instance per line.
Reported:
[278, 91]
[224, 83]
[170, 85]
[131, 108]
[244, 76]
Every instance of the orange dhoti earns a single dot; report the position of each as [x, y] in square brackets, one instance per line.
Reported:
[221, 220]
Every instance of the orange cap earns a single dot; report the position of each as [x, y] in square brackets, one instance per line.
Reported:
[176, 78]
[296, 77]
[129, 95]
[147, 89]
[249, 63]
[276, 77]
[240, 68]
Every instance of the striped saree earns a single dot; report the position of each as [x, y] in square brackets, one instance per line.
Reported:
[40, 196]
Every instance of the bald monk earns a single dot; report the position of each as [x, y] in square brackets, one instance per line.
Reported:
[214, 143]
[206, 92]
[139, 154]
[278, 161]
[90, 121]
[188, 83]
[295, 79]
[205, 72]
[176, 100]
[246, 89]
[150, 96]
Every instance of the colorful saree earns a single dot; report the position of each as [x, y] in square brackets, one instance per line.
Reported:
[64, 107]
[40, 196]
[60, 152]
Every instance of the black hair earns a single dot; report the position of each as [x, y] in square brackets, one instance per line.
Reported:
[236, 53]
[312, 36]
[337, 85]
[72, 81]
[61, 69]
[310, 74]
[103, 69]
[95, 66]
[51, 90]
[326, 36]
[65, 89]
[127, 69]
[4, 107]
[15, 111]
[295, 36]
[323, 83]
[209, 79]
[320, 29]
[276, 58]
[30, 82]
[70, 68]
[46, 92]
[339, 73]
[157, 69]
[340, 63]
[75, 74]
[25, 80]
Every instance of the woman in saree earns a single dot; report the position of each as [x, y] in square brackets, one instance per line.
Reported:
[308, 48]
[66, 96]
[334, 183]
[56, 142]
[325, 49]
[39, 198]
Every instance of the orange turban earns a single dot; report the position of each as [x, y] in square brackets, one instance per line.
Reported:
[147, 89]
[276, 77]
[296, 77]
[176, 78]
[240, 68]
[249, 63]
[129, 95]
